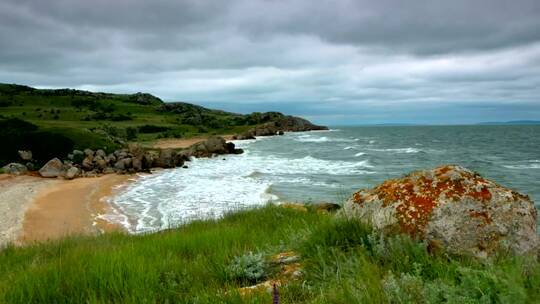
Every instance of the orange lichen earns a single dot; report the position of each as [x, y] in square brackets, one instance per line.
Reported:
[416, 195]
[482, 215]
[357, 197]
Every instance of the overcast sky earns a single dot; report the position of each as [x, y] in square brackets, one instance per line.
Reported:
[335, 61]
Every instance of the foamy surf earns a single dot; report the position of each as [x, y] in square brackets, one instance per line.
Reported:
[211, 187]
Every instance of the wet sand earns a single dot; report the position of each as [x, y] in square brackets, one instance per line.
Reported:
[70, 207]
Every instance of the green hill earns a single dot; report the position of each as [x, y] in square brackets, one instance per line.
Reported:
[80, 119]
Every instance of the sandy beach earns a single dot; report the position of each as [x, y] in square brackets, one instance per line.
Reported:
[70, 207]
[17, 193]
[178, 143]
[38, 209]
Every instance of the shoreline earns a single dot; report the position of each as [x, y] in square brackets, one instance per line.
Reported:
[71, 207]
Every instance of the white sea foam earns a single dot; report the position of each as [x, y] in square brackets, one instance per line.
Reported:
[399, 150]
[321, 139]
[524, 166]
[359, 154]
[211, 187]
[348, 148]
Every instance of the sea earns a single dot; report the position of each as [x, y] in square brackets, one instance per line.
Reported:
[324, 166]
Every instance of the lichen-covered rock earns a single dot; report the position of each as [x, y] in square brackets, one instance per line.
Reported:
[52, 168]
[451, 208]
[15, 168]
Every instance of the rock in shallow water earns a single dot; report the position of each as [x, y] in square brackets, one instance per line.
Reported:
[451, 208]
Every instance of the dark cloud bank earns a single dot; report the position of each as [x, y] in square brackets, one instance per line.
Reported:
[351, 62]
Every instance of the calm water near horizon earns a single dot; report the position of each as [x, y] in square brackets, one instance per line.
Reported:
[326, 166]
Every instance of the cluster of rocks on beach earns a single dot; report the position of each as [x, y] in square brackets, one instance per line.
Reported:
[134, 158]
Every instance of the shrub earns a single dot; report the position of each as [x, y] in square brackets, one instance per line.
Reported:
[152, 129]
[248, 267]
[131, 133]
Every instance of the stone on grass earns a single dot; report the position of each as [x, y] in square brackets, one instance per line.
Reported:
[452, 208]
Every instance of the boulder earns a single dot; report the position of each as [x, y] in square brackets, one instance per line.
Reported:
[149, 159]
[78, 156]
[166, 159]
[101, 153]
[25, 155]
[137, 163]
[100, 162]
[451, 208]
[123, 164]
[110, 159]
[30, 166]
[72, 173]
[52, 168]
[15, 168]
[244, 136]
[88, 163]
[211, 146]
[89, 152]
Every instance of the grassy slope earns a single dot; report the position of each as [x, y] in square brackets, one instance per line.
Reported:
[344, 263]
[107, 121]
[35, 106]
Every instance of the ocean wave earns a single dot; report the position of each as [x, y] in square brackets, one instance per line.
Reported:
[321, 139]
[399, 150]
[348, 148]
[359, 154]
[212, 187]
[524, 166]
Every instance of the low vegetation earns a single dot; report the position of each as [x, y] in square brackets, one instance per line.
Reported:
[207, 261]
[81, 119]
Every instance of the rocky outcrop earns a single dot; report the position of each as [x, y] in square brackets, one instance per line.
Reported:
[451, 208]
[279, 126]
[214, 145]
[133, 159]
[15, 168]
[52, 168]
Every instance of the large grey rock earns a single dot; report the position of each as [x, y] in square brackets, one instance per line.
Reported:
[100, 162]
[137, 163]
[89, 152]
[451, 208]
[211, 146]
[101, 153]
[15, 168]
[166, 159]
[149, 159]
[88, 163]
[123, 164]
[52, 168]
[25, 155]
[72, 173]
[111, 159]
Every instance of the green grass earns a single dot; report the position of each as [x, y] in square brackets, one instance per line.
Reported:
[344, 262]
[101, 120]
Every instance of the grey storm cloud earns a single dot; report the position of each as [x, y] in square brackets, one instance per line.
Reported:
[334, 61]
